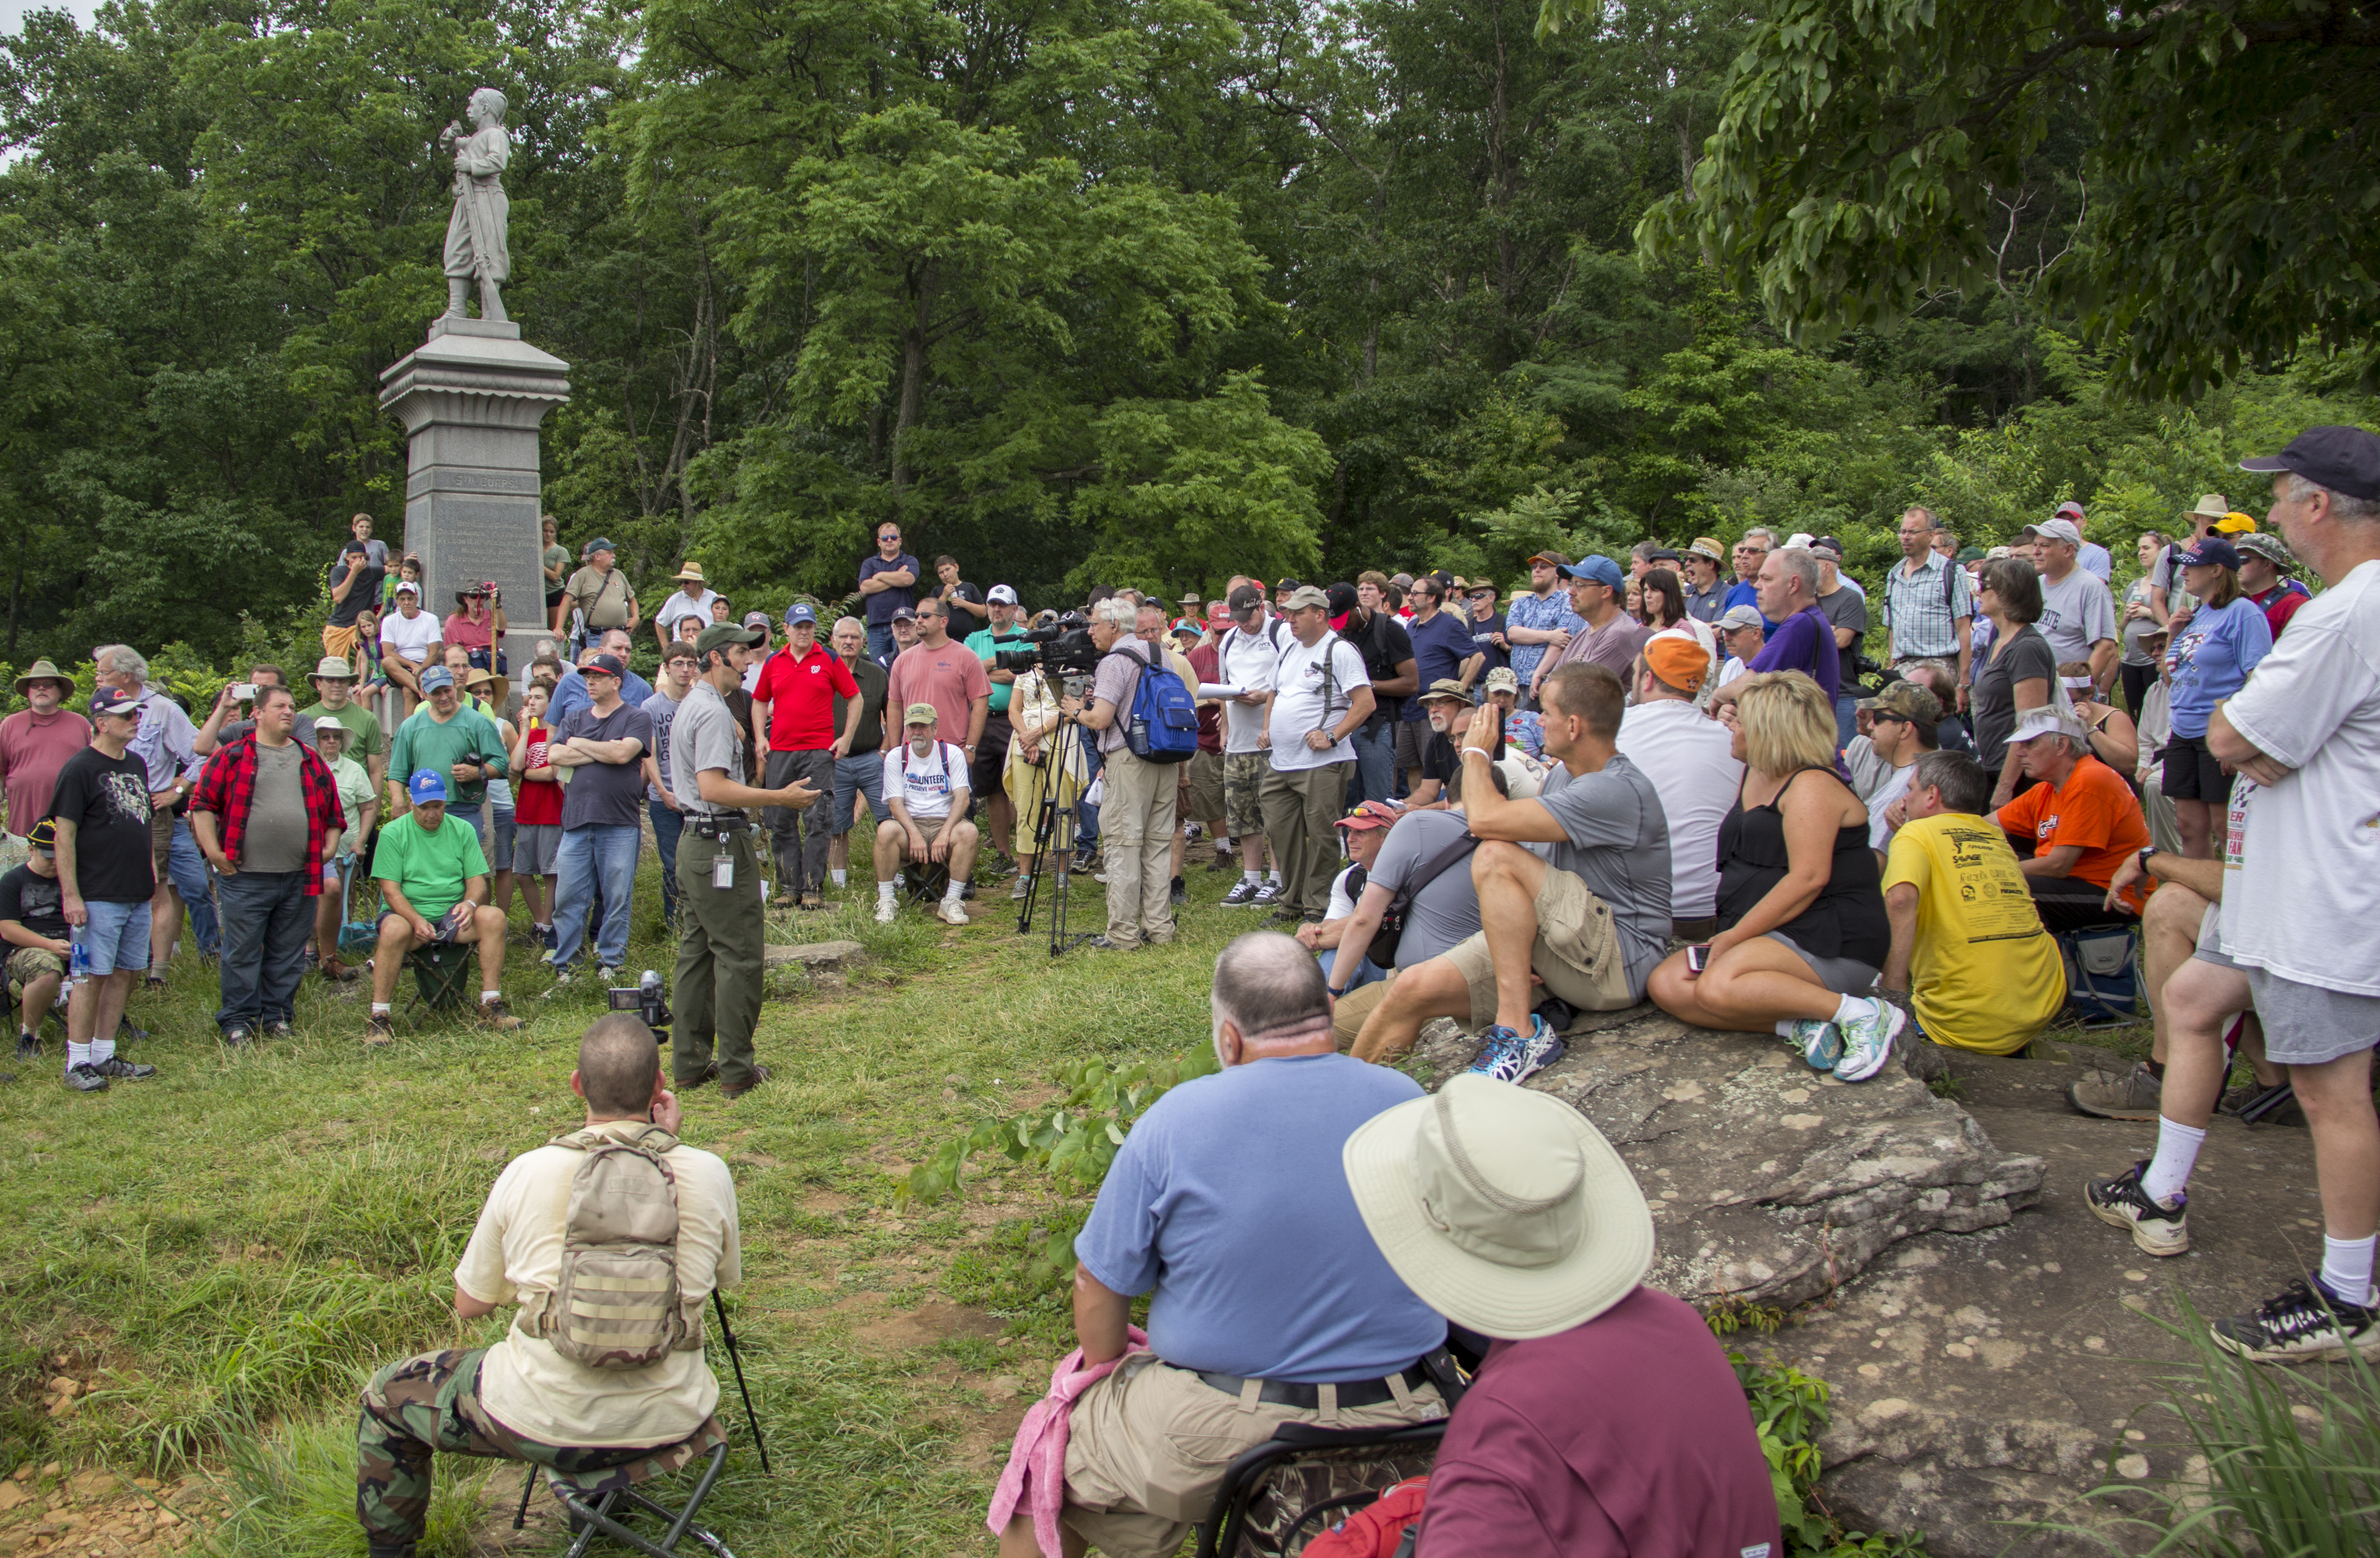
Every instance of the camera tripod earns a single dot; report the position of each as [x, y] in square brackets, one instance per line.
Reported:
[1056, 754]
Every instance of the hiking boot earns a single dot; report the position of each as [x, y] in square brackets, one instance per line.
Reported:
[276, 1029]
[2131, 1097]
[493, 1015]
[732, 1093]
[1178, 891]
[117, 1069]
[955, 911]
[86, 1078]
[1288, 914]
[2120, 1202]
[237, 1037]
[338, 972]
[710, 1074]
[1245, 895]
[2303, 1324]
[1821, 1044]
[1867, 1041]
[28, 1044]
[379, 1029]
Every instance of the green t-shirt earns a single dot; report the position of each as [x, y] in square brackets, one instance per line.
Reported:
[982, 645]
[422, 742]
[429, 868]
[364, 736]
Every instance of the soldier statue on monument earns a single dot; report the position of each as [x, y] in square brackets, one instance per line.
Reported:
[476, 247]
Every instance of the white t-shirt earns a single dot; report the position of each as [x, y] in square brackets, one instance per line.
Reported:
[411, 638]
[1296, 705]
[2302, 894]
[1342, 902]
[1686, 756]
[1729, 671]
[924, 784]
[684, 605]
[1895, 786]
[516, 1249]
[2076, 613]
[1245, 659]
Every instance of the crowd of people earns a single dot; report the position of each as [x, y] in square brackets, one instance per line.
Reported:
[1734, 781]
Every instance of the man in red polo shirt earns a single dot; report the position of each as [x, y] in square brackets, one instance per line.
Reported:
[793, 721]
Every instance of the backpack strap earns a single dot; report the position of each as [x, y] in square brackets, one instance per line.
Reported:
[650, 1138]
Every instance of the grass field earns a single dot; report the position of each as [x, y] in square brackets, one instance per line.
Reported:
[219, 1256]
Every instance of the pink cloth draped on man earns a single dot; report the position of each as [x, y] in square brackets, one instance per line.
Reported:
[1035, 1475]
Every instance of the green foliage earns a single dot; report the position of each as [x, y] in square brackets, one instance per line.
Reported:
[1789, 1412]
[291, 1488]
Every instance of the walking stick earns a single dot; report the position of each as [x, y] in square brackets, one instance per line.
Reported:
[727, 1335]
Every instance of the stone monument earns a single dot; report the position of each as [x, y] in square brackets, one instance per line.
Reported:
[471, 398]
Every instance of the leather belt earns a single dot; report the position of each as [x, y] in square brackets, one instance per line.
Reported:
[718, 825]
[1353, 1393]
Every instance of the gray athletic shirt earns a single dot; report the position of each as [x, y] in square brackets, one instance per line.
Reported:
[1446, 910]
[1619, 847]
[703, 735]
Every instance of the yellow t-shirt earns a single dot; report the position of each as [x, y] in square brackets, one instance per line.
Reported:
[1985, 975]
[516, 1247]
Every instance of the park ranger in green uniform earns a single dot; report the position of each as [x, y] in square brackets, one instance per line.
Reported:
[718, 987]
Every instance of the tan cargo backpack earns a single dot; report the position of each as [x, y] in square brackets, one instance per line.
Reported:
[618, 1304]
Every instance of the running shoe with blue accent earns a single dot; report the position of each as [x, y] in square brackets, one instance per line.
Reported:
[1511, 1057]
[1821, 1044]
[1867, 1041]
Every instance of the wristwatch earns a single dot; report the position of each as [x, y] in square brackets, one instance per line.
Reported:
[2143, 856]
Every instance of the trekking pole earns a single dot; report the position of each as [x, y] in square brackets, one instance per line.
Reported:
[727, 1335]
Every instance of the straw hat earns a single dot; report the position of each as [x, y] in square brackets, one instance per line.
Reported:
[689, 574]
[1502, 1209]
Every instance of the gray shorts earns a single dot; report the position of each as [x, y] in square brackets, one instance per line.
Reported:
[537, 849]
[1844, 976]
[2307, 1025]
[2210, 938]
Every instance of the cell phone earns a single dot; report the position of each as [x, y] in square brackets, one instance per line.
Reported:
[244, 692]
[1698, 957]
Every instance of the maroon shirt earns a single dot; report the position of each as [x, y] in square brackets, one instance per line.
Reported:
[1211, 733]
[1626, 1435]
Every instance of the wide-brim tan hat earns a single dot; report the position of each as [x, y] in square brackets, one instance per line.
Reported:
[1502, 1209]
[42, 671]
[689, 574]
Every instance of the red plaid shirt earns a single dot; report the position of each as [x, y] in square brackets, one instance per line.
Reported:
[227, 787]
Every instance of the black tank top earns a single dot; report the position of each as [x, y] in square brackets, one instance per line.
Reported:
[1846, 920]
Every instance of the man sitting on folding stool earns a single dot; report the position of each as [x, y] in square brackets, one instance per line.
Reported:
[602, 1399]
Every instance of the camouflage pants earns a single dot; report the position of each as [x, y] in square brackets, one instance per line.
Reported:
[419, 1406]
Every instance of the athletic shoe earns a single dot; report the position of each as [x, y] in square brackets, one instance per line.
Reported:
[1510, 1057]
[2120, 1202]
[2303, 1324]
[28, 1044]
[885, 909]
[86, 1078]
[1270, 891]
[1288, 914]
[493, 1015]
[551, 939]
[278, 1029]
[338, 972]
[1244, 894]
[236, 1036]
[607, 973]
[1821, 1044]
[1867, 1041]
[1102, 943]
[2131, 1097]
[116, 1069]
[379, 1029]
[1023, 884]
[955, 911]
[1177, 892]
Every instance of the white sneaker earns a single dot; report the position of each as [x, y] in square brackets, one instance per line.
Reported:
[885, 909]
[955, 911]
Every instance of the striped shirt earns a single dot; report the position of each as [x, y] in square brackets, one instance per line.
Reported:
[1923, 615]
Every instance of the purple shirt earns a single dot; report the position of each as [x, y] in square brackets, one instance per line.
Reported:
[1627, 1435]
[1804, 641]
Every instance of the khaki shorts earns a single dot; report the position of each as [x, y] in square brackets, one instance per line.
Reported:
[161, 840]
[1577, 953]
[27, 963]
[1147, 1446]
[1243, 774]
[1202, 788]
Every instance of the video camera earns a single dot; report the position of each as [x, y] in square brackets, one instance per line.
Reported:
[646, 999]
[1057, 651]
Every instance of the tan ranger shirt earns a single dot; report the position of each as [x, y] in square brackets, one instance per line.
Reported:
[516, 1249]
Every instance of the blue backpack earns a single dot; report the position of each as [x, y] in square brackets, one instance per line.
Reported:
[1163, 724]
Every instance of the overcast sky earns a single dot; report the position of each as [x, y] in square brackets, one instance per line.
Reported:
[12, 12]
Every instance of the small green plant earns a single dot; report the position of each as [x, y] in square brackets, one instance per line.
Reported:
[1790, 1411]
[1947, 1086]
[1730, 1315]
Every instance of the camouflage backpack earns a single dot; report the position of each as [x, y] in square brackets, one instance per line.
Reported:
[617, 1304]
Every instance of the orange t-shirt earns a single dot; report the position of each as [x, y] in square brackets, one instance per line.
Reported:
[2094, 809]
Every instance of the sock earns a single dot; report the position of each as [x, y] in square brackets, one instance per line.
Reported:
[842, 879]
[1785, 1027]
[2157, 1069]
[487, 995]
[957, 889]
[1851, 1008]
[380, 1008]
[102, 1050]
[884, 892]
[78, 1055]
[1276, 878]
[2177, 1154]
[1252, 878]
[2346, 1268]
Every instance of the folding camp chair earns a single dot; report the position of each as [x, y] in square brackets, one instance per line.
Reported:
[358, 938]
[1280, 1495]
[440, 972]
[592, 1513]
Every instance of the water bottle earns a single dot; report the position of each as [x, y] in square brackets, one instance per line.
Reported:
[78, 962]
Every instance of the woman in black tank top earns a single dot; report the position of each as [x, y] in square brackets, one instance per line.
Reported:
[1804, 930]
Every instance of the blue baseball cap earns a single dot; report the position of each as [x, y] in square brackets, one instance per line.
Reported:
[2211, 548]
[425, 786]
[1600, 570]
[437, 676]
[800, 611]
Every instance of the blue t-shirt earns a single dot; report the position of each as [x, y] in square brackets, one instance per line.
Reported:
[1440, 646]
[1228, 1198]
[1804, 641]
[1743, 594]
[2212, 658]
[884, 602]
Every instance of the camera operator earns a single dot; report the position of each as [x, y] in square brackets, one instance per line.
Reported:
[718, 872]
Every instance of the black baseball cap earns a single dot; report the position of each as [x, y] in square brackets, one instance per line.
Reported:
[1287, 584]
[2346, 460]
[1341, 597]
[1244, 598]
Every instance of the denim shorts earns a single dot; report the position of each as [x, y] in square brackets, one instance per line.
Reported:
[499, 850]
[118, 937]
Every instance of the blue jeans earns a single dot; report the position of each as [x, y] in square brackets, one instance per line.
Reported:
[1367, 974]
[186, 868]
[267, 919]
[1376, 764]
[667, 825]
[1087, 816]
[879, 641]
[1846, 718]
[860, 774]
[604, 855]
